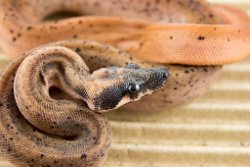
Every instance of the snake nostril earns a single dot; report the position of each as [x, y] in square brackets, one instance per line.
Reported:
[164, 75]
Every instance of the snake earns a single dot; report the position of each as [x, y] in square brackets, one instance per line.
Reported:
[190, 38]
[51, 102]
[132, 28]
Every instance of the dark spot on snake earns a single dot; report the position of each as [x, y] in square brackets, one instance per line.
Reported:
[55, 162]
[171, 37]
[83, 156]
[186, 72]
[78, 50]
[180, 3]
[41, 155]
[7, 106]
[205, 69]
[1, 104]
[120, 52]
[96, 4]
[148, 4]
[9, 149]
[80, 22]
[75, 36]
[11, 138]
[211, 15]
[177, 74]
[29, 28]
[157, 1]
[124, 8]
[175, 88]
[201, 38]
[141, 44]
[14, 39]
[11, 31]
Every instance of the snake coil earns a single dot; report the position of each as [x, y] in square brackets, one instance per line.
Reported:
[39, 130]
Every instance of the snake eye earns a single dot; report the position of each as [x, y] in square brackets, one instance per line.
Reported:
[134, 88]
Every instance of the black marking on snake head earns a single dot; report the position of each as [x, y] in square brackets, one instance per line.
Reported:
[135, 83]
[109, 97]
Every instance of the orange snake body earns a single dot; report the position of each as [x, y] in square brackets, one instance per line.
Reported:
[141, 28]
[200, 38]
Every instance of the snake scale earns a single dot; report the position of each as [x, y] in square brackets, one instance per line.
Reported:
[52, 96]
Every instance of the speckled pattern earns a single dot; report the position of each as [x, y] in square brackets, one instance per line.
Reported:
[22, 32]
[142, 28]
[191, 81]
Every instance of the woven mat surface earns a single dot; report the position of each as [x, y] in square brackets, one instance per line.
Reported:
[214, 130]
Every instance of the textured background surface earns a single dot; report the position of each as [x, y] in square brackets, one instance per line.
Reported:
[212, 131]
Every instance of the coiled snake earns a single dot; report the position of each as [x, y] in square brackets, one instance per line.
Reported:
[46, 96]
[47, 101]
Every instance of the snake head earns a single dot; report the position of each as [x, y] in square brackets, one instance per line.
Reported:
[122, 85]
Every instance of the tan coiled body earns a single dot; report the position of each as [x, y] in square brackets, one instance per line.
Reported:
[37, 130]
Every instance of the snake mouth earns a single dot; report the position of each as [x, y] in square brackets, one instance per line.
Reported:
[60, 15]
